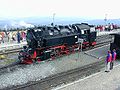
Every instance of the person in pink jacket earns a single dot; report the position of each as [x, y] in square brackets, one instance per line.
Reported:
[114, 55]
[108, 61]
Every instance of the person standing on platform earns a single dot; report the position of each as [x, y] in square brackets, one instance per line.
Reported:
[108, 61]
[13, 37]
[18, 37]
[114, 55]
[0, 38]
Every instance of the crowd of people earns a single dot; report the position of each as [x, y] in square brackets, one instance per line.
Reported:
[12, 36]
[107, 27]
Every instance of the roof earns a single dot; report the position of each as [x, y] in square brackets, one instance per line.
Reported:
[83, 26]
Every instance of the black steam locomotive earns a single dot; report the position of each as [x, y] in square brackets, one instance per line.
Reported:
[46, 42]
[116, 44]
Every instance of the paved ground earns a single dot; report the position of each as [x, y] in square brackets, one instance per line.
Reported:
[100, 52]
[98, 81]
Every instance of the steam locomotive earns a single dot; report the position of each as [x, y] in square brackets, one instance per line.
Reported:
[48, 42]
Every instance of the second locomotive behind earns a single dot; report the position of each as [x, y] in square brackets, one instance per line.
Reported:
[46, 42]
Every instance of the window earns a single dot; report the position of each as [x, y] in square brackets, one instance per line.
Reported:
[50, 32]
[82, 31]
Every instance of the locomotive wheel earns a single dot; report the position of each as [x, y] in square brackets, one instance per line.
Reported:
[38, 60]
[21, 59]
[91, 47]
[52, 57]
[57, 52]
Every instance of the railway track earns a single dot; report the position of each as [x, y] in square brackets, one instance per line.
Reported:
[61, 78]
[10, 51]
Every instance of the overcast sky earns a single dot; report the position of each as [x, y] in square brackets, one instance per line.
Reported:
[94, 9]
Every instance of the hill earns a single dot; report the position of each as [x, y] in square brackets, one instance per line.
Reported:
[30, 21]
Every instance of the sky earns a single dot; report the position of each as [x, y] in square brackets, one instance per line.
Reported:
[92, 9]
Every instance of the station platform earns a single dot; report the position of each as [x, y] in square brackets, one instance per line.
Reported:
[108, 32]
[99, 81]
[11, 45]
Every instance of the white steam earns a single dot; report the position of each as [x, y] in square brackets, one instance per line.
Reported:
[21, 24]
